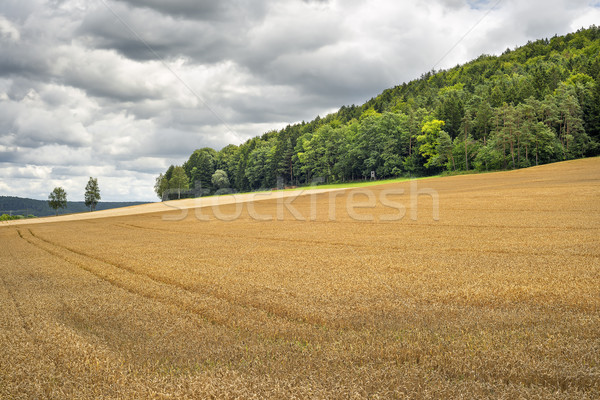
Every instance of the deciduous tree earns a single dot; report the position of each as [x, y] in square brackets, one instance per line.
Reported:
[161, 185]
[220, 179]
[179, 180]
[92, 193]
[57, 199]
[429, 140]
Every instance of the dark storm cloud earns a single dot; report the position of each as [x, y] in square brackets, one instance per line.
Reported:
[21, 55]
[142, 34]
[200, 9]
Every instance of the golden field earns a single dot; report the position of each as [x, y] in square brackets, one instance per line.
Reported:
[497, 297]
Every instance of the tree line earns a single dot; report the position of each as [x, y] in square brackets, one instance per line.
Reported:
[57, 199]
[536, 104]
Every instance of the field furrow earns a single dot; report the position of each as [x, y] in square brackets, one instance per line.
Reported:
[214, 309]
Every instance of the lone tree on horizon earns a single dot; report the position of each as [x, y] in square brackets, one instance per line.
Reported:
[57, 199]
[92, 194]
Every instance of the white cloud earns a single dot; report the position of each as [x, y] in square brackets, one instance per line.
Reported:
[8, 31]
[592, 17]
[27, 171]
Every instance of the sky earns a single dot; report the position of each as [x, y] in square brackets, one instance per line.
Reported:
[121, 89]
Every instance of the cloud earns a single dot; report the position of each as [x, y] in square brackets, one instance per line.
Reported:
[28, 171]
[120, 89]
[203, 10]
[8, 31]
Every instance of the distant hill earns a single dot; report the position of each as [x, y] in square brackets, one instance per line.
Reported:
[40, 208]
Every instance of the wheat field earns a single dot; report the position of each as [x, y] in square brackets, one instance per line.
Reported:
[496, 296]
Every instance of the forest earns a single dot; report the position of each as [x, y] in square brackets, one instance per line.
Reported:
[536, 104]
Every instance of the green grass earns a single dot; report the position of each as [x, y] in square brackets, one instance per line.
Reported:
[363, 183]
[346, 185]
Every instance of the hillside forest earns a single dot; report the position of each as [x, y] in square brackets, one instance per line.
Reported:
[536, 104]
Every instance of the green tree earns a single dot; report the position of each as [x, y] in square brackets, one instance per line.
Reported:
[444, 151]
[258, 170]
[169, 172]
[545, 143]
[350, 156]
[57, 199]
[505, 133]
[92, 193]
[220, 179]
[529, 120]
[161, 185]
[451, 109]
[285, 165]
[322, 151]
[429, 141]
[203, 160]
[227, 160]
[572, 132]
[483, 121]
[393, 133]
[179, 180]
[465, 127]
[492, 155]
[592, 111]
[484, 157]
[303, 158]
